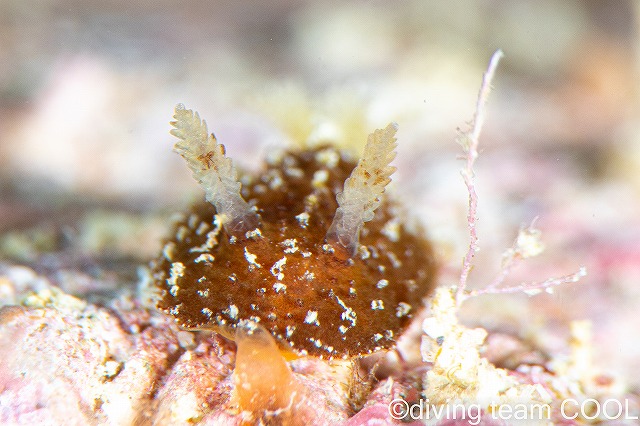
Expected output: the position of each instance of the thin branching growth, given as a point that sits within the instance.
(459, 372)
(470, 141)
(527, 244)
(213, 171)
(363, 189)
(535, 287)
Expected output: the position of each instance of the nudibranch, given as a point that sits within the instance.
(308, 249)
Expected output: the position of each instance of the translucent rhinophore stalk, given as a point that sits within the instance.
(363, 189)
(213, 171)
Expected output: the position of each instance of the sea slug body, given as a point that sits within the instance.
(304, 248)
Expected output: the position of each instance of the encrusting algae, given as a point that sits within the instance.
(308, 249)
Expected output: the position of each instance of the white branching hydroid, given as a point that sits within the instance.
(363, 189)
(213, 170)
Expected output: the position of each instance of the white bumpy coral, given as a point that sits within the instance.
(213, 170)
(363, 189)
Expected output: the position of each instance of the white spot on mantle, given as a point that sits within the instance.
(377, 305)
(278, 287)
(348, 314)
(291, 245)
(402, 309)
(233, 311)
(382, 283)
(312, 318)
(276, 269)
(303, 219)
(290, 330)
(251, 258)
(205, 257)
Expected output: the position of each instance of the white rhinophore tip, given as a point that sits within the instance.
(363, 189)
(213, 171)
